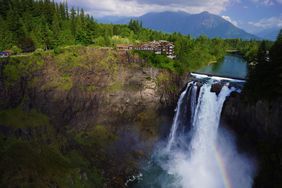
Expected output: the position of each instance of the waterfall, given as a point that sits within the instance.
(181, 115)
(177, 116)
(205, 156)
(201, 168)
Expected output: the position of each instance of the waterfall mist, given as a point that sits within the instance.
(199, 153)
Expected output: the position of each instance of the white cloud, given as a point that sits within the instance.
(266, 23)
(267, 2)
(140, 7)
(227, 18)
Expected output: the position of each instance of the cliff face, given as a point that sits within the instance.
(263, 117)
(97, 103)
(258, 128)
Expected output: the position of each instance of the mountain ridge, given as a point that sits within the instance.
(195, 25)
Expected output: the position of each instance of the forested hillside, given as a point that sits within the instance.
(32, 24)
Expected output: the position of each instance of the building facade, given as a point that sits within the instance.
(158, 47)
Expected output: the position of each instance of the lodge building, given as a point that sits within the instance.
(158, 47)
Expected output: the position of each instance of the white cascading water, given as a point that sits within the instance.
(205, 156)
(212, 160)
(177, 119)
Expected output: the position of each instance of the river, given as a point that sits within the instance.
(231, 66)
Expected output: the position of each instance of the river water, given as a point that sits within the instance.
(230, 66)
(198, 153)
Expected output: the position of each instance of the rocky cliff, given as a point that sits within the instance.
(258, 128)
(91, 108)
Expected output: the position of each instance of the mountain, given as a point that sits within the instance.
(194, 24)
(115, 19)
(269, 34)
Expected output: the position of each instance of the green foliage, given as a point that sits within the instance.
(100, 41)
(16, 50)
(43, 24)
(98, 137)
(57, 50)
(163, 79)
(37, 165)
(39, 52)
(65, 83)
(114, 87)
(21, 67)
(27, 45)
(135, 26)
(265, 75)
(90, 88)
(21, 119)
(120, 40)
(12, 73)
(61, 82)
(159, 61)
(248, 49)
(30, 164)
(28, 161)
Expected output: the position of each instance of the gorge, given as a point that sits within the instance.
(198, 152)
(219, 138)
(82, 114)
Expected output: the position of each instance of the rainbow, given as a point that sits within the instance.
(221, 165)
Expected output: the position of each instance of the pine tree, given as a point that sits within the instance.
(135, 26)
(56, 25)
(6, 41)
(73, 21)
(276, 63)
(258, 72)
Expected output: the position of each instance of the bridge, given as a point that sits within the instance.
(216, 77)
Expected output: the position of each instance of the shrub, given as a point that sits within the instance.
(58, 50)
(39, 51)
(22, 119)
(16, 50)
(27, 45)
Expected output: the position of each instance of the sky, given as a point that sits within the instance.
(250, 15)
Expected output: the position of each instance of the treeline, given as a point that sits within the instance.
(194, 53)
(248, 49)
(30, 24)
(265, 72)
